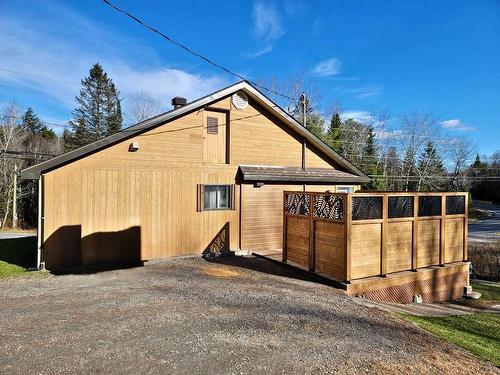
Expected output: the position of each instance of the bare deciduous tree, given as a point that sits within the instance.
(461, 151)
(417, 128)
(11, 137)
(140, 106)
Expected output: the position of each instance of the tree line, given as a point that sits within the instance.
(412, 156)
(408, 153)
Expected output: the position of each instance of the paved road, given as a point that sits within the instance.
(486, 230)
(9, 235)
(188, 316)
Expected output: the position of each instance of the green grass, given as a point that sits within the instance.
(478, 333)
(490, 291)
(17, 255)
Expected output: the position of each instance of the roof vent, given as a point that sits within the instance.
(179, 101)
(240, 100)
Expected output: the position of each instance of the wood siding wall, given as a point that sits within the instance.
(98, 206)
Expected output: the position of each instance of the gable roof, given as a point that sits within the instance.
(34, 172)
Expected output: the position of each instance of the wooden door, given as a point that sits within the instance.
(214, 137)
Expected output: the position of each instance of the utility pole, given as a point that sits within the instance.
(14, 199)
(303, 99)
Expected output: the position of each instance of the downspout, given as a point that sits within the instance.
(40, 264)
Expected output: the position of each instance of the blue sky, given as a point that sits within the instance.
(397, 56)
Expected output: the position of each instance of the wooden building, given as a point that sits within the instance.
(207, 175)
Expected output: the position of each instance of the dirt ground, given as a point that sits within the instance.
(190, 316)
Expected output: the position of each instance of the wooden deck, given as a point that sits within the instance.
(434, 283)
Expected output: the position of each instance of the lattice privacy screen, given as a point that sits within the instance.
(401, 206)
(328, 207)
(366, 208)
(429, 206)
(455, 204)
(297, 204)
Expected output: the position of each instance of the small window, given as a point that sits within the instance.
(212, 125)
(217, 197)
(345, 189)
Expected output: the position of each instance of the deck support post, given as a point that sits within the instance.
(414, 249)
(466, 228)
(442, 232)
(285, 220)
(383, 245)
(347, 236)
(311, 233)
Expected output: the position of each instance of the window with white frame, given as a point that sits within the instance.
(345, 189)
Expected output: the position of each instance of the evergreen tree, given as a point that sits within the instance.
(314, 122)
(35, 126)
(370, 161)
(333, 136)
(32, 123)
(99, 110)
(477, 162)
(432, 174)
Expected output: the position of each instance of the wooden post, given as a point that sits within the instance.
(311, 232)
(466, 228)
(414, 252)
(14, 200)
(383, 245)
(347, 236)
(442, 232)
(285, 220)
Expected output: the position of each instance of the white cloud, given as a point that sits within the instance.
(367, 91)
(267, 25)
(65, 50)
(261, 51)
(267, 28)
(456, 124)
(361, 116)
(453, 123)
(329, 67)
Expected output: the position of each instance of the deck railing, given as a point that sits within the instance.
(353, 236)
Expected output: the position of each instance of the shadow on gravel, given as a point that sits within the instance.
(270, 267)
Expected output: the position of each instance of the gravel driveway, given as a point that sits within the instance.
(191, 316)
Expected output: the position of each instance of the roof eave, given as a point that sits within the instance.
(304, 179)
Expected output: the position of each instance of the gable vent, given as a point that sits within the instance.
(240, 100)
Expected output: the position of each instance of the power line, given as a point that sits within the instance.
(45, 122)
(192, 52)
(39, 77)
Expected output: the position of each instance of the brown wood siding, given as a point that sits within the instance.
(153, 209)
(96, 205)
(314, 159)
(262, 217)
(259, 138)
